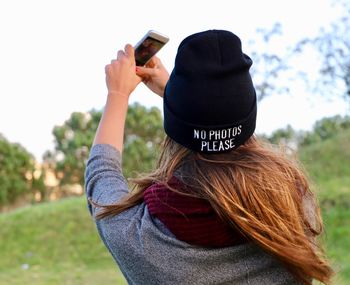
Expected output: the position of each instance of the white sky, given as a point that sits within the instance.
(53, 54)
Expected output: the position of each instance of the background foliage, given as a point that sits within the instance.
(16, 171)
(142, 138)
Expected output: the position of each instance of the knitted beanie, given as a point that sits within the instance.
(209, 100)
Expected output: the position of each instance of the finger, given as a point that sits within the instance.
(113, 60)
(159, 62)
(120, 55)
(107, 67)
(152, 62)
(145, 72)
(129, 51)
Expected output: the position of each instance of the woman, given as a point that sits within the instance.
(221, 207)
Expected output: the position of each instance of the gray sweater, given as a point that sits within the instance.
(148, 253)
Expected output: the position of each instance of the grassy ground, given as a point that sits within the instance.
(337, 236)
(54, 243)
(328, 164)
(57, 243)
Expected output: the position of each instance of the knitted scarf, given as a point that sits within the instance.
(190, 219)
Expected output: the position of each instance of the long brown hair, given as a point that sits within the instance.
(258, 190)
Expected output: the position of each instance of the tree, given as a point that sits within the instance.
(16, 171)
(72, 143)
(73, 140)
(333, 47)
(323, 129)
(326, 128)
(287, 136)
(143, 136)
(269, 63)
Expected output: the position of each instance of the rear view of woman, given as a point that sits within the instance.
(221, 207)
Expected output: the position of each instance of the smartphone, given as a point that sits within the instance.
(148, 46)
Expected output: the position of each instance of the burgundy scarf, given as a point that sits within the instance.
(190, 219)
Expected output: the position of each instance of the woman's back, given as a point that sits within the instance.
(148, 253)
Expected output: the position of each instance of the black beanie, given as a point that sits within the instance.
(210, 100)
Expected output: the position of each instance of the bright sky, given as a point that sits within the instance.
(53, 54)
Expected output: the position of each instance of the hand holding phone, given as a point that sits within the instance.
(120, 73)
(154, 75)
(148, 46)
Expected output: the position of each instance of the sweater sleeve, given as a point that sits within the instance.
(104, 180)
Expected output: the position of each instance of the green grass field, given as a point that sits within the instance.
(57, 243)
(328, 164)
(54, 243)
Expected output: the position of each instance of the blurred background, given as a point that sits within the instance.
(52, 91)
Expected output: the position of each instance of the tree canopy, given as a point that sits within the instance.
(142, 137)
(16, 171)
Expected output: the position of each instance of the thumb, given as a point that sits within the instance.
(145, 72)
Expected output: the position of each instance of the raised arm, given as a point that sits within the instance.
(121, 80)
(122, 77)
(104, 180)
